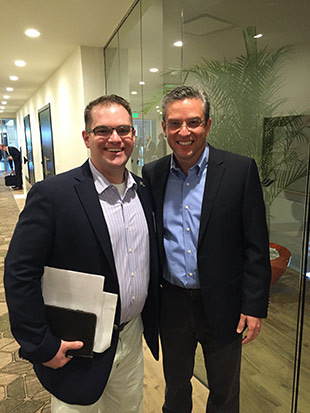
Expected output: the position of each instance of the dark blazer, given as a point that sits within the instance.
(233, 250)
(62, 226)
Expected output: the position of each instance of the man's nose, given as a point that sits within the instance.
(115, 136)
(184, 129)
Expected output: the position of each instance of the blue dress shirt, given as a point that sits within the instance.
(182, 210)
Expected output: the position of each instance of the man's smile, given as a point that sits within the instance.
(185, 143)
(114, 149)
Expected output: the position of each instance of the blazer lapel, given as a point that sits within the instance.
(88, 196)
(213, 180)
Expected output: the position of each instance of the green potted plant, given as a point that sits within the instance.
(245, 108)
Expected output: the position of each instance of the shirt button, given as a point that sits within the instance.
(187, 184)
(132, 274)
(189, 251)
(133, 298)
(130, 250)
(190, 274)
(187, 229)
(127, 227)
(186, 206)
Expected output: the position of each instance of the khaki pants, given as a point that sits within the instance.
(124, 390)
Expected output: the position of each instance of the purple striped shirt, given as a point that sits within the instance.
(129, 236)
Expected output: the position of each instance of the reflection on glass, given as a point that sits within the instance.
(259, 92)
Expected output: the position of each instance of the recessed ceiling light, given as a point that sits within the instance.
(9, 89)
(20, 63)
(141, 82)
(2, 107)
(1, 111)
(13, 78)
(4, 102)
(32, 33)
(133, 92)
(178, 43)
(6, 96)
(257, 36)
(153, 69)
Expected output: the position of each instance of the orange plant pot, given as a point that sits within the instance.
(279, 265)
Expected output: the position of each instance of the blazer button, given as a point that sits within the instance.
(115, 327)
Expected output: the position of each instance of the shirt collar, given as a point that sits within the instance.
(199, 166)
(102, 183)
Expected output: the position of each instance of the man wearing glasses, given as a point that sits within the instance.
(213, 244)
(95, 219)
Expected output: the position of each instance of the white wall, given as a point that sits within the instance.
(68, 90)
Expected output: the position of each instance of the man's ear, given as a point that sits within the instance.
(164, 127)
(85, 138)
(208, 126)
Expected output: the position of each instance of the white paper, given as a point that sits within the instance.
(82, 291)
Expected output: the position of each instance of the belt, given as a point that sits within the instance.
(192, 292)
(122, 326)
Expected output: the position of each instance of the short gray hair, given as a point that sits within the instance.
(186, 92)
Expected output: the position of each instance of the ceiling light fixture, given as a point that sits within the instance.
(178, 43)
(153, 69)
(133, 92)
(4, 102)
(1, 111)
(2, 107)
(258, 36)
(6, 96)
(14, 78)
(141, 82)
(9, 89)
(32, 33)
(20, 63)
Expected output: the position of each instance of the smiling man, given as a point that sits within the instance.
(213, 247)
(95, 219)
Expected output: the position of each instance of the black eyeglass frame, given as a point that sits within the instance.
(110, 130)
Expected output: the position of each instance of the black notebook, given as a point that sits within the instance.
(72, 325)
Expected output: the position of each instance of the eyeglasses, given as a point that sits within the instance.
(123, 131)
(176, 125)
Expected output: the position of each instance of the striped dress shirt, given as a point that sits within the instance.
(129, 237)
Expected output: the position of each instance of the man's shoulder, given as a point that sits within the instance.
(64, 178)
(157, 164)
(227, 156)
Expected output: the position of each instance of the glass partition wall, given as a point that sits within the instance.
(253, 59)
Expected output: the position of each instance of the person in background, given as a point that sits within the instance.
(14, 155)
(213, 244)
(95, 219)
(150, 149)
(161, 148)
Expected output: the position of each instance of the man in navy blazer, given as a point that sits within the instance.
(213, 245)
(96, 219)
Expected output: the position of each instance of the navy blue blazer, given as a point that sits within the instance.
(233, 248)
(62, 226)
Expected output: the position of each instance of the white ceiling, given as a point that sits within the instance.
(64, 24)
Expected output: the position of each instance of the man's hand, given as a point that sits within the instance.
(60, 359)
(253, 325)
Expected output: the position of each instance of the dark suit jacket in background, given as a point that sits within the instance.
(233, 250)
(63, 226)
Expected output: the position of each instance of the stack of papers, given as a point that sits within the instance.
(83, 292)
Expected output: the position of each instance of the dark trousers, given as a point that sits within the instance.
(18, 172)
(183, 325)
